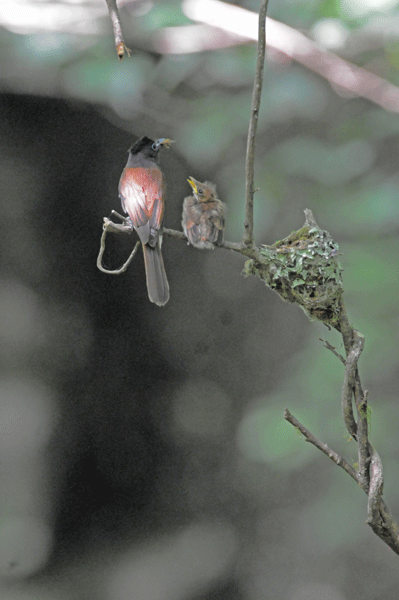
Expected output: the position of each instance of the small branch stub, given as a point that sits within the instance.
(120, 45)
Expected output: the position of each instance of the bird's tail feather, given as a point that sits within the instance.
(157, 283)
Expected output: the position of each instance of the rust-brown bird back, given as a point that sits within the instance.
(142, 193)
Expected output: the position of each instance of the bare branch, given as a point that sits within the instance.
(117, 29)
(363, 446)
(359, 430)
(253, 123)
(115, 228)
(176, 234)
(379, 518)
(375, 490)
(309, 437)
(333, 350)
(237, 247)
(345, 328)
(349, 382)
(127, 227)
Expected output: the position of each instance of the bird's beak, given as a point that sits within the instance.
(193, 184)
(164, 143)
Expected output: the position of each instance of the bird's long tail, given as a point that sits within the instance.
(157, 283)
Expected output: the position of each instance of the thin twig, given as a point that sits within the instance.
(125, 227)
(379, 518)
(237, 247)
(176, 234)
(114, 228)
(253, 123)
(309, 437)
(333, 350)
(117, 29)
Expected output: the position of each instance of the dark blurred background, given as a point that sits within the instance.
(143, 450)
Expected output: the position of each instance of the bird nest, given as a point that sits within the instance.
(304, 268)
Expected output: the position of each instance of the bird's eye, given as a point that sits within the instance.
(200, 191)
(154, 146)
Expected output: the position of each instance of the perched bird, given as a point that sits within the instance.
(142, 191)
(203, 216)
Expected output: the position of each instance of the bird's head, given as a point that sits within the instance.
(203, 192)
(148, 147)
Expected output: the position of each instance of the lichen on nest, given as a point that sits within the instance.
(304, 269)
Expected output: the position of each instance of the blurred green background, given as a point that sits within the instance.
(143, 450)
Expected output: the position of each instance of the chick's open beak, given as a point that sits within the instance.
(193, 184)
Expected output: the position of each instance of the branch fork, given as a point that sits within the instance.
(369, 474)
(124, 227)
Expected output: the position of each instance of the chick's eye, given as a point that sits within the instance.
(154, 146)
(200, 191)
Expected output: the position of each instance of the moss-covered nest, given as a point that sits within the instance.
(304, 268)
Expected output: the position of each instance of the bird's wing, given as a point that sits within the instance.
(193, 232)
(191, 219)
(142, 193)
(213, 224)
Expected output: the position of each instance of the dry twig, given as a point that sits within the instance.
(309, 437)
(253, 124)
(110, 226)
(120, 45)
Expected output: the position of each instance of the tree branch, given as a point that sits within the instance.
(363, 445)
(369, 474)
(115, 228)
(309, 437)
(349, 383)
(379, 518)
(253, 123)
(117, 29)
(237, 247)
(333, 350)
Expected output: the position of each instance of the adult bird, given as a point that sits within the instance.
(203, 216)
(142, 191)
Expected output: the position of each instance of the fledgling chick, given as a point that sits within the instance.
(203, 216)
